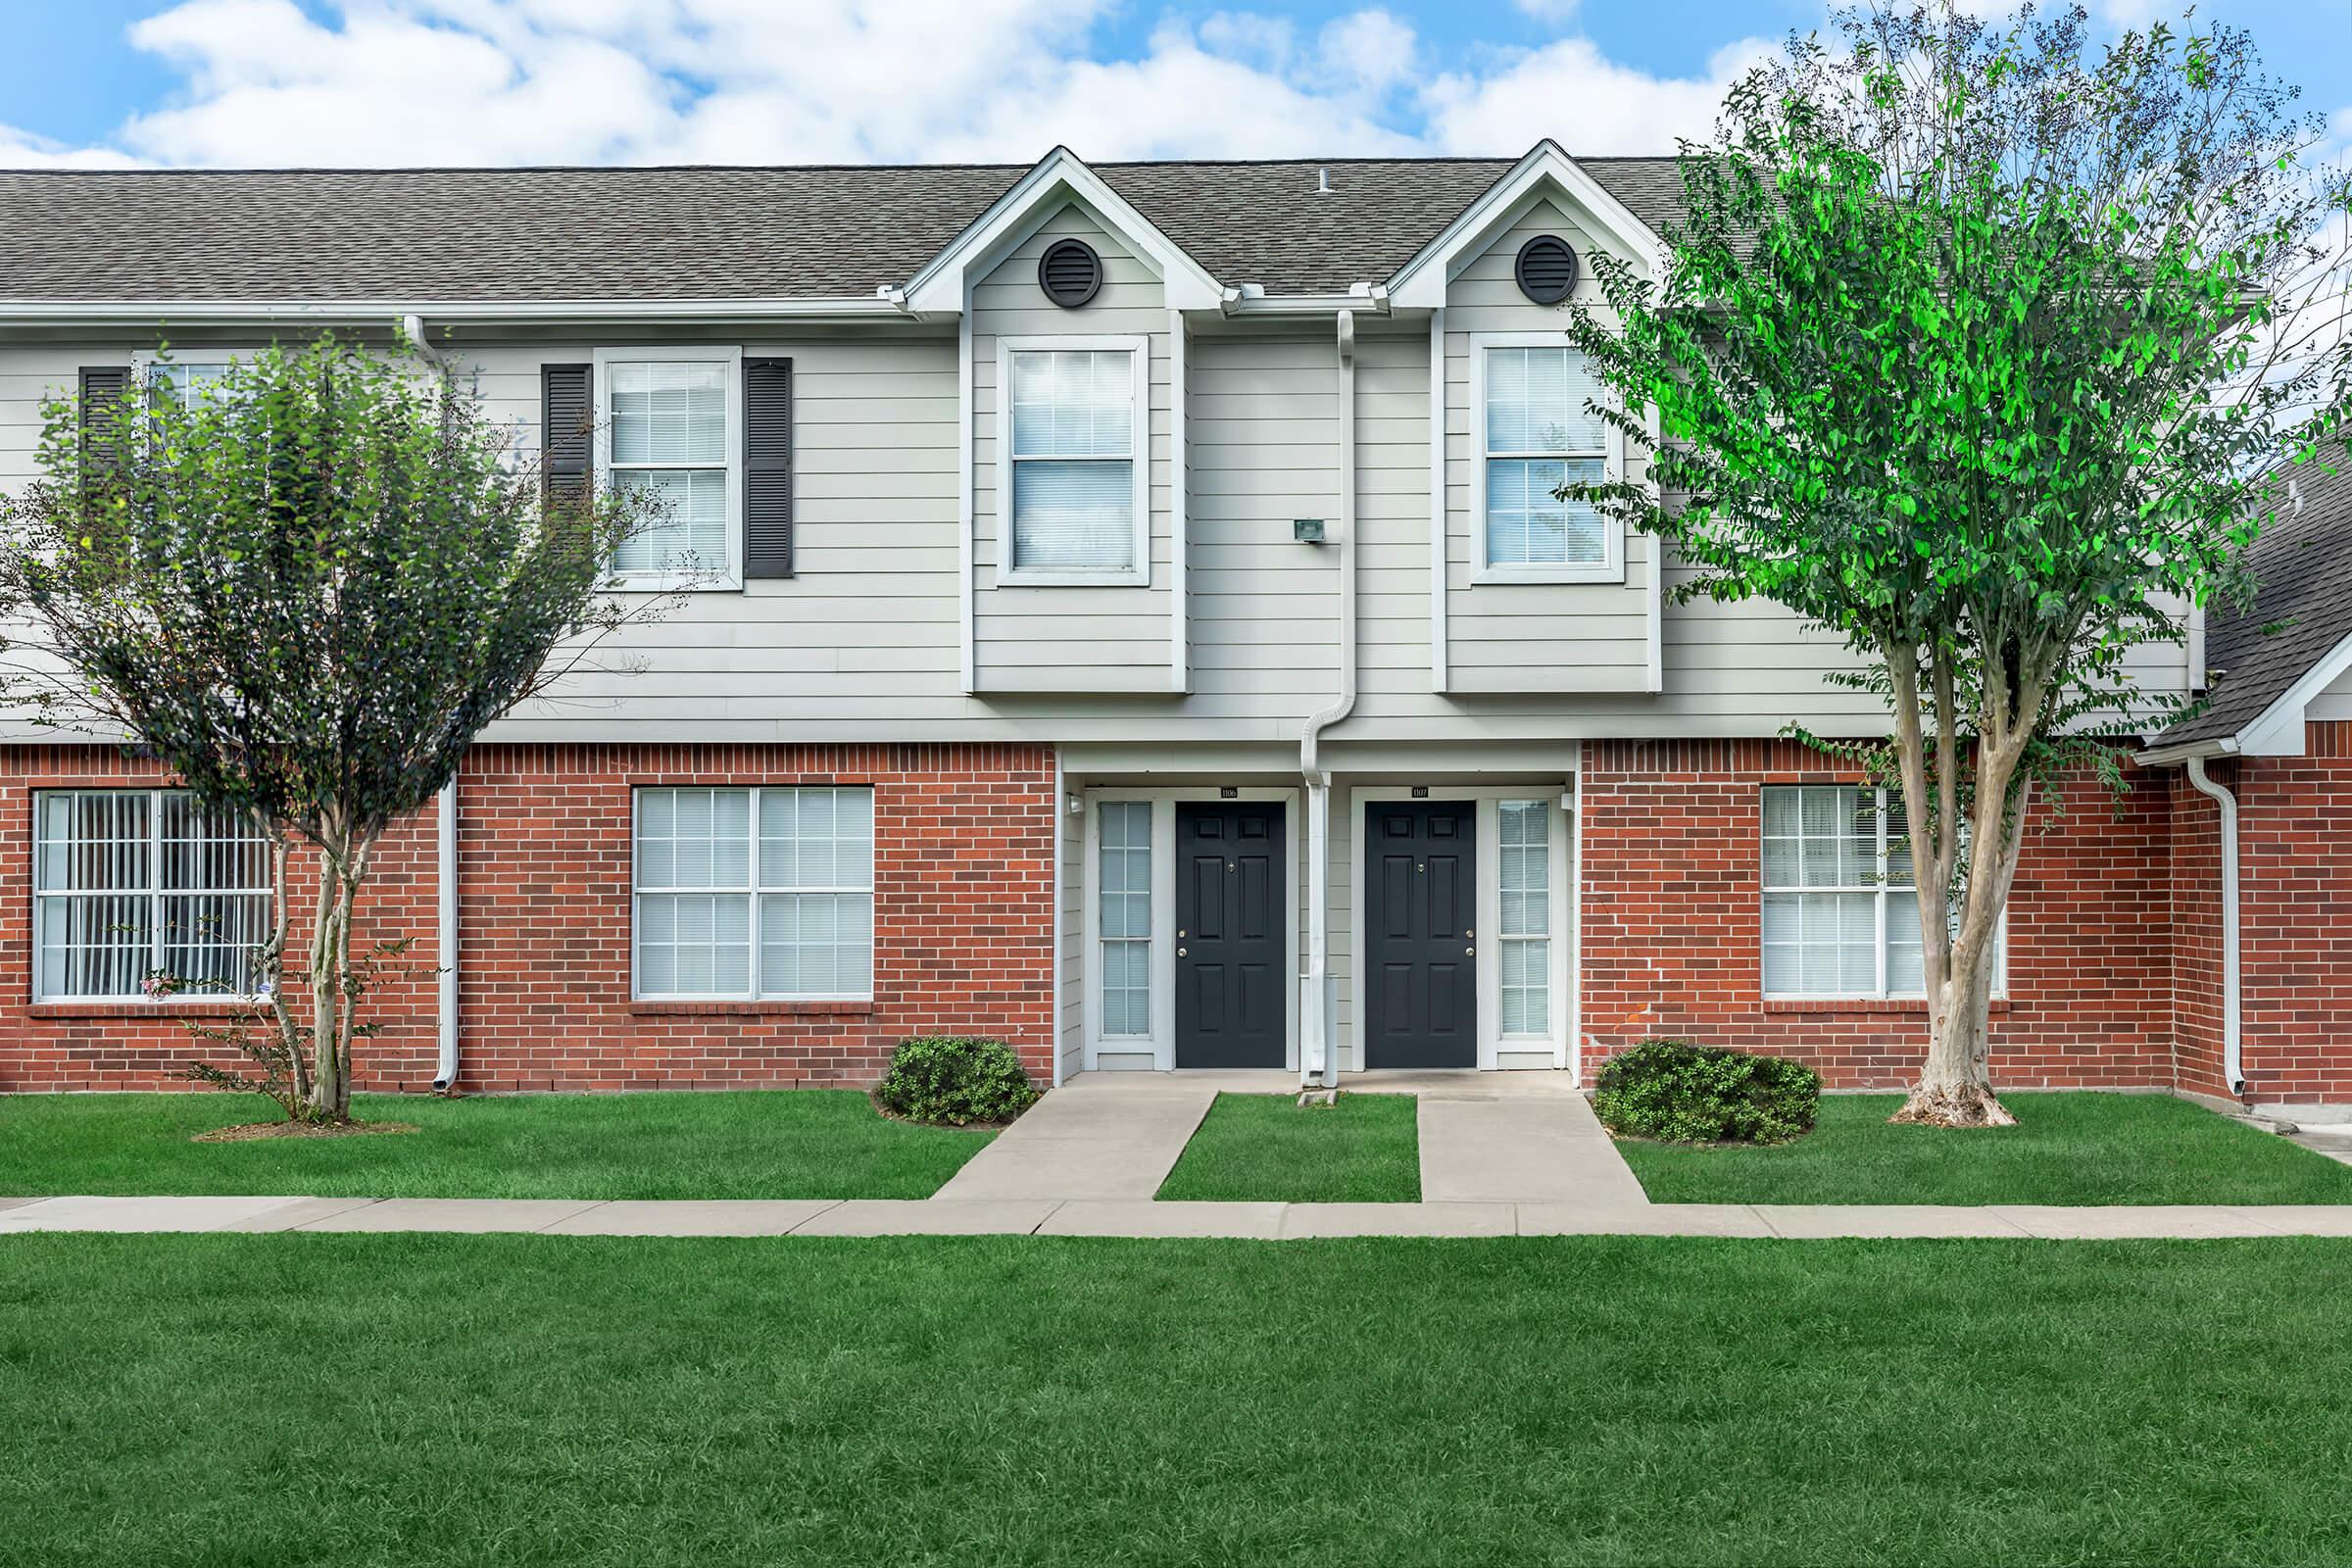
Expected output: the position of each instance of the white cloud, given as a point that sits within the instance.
(1588, 102)
(22, 149)
(514, 81)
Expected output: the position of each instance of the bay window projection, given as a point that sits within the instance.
(1540, 436)
(755, 894)
(1073, 461)
(1124, 915)
(1524, 831)
(1839, 913)
(144, 893)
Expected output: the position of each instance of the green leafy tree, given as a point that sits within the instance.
(1984, 348)
(305, 590)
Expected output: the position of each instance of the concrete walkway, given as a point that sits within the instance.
(1140, 1217)
(1501, 1154)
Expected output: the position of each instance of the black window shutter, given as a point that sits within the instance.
(567, 416)
(767, 468)
(103, 387)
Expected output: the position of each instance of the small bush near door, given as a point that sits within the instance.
(1681, 1093)
(955, 1080)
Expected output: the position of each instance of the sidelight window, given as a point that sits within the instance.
(1524, 828)
(1124, 915)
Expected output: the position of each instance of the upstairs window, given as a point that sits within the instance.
(670, 432)
(140, 892)
(1538, 435)
(1071, 485)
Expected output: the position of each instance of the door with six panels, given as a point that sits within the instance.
(1420, 963)
(1231, 970)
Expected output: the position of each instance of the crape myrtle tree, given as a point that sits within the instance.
(1984, 348)
(303, 589)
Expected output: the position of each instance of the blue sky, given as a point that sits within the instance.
(229, 82)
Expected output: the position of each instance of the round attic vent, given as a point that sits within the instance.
(1070, 273)
(1547, 269)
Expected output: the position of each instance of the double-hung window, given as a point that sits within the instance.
(752, 894)
(139, 893)
(670, 436)
(1537, 435)
(1072, 432)
(1524, 828)
(183, 381)
(1124, 915)
(1841, 914)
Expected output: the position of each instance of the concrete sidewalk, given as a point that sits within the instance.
(1142, 1217)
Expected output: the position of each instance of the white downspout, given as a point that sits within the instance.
(445, 868)
(1318, 1047)
(445, 1076)
(2232, 1041)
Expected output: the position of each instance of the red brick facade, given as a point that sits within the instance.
(2115, 929)
(2295, 882)
(962, 926)
(1672, 890)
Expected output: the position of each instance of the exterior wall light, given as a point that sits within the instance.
(1308, 530)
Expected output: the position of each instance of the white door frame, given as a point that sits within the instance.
(1486, 797)
(1160, 1043)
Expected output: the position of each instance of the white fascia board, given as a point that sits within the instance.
(2277, 730)
(1059, 176)
(69, 313)
(1420, 283)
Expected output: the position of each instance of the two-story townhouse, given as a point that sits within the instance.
(1126, 612)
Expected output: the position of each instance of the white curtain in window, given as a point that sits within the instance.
(1124, 915)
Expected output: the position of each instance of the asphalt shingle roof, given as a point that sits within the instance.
(794, 233)
(2303, 608)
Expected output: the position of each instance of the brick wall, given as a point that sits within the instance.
(137, 1044)
(1672, 890)
(963, 923)
(2295, 874)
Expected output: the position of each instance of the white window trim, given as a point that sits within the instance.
(1887, 893)
(1492, 1044)
(1611, 568)
(1137, 576)
(155, 894)
(730, 578)
(1160, 1045)
(755, 893)
(144, 361)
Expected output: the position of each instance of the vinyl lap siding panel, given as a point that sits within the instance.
(1111, 639)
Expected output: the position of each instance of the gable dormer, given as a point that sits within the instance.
(1538, 594)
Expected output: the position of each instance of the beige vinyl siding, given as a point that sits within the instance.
(1062, 638)
(1263, 426)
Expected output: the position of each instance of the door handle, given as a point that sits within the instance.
(1180, 952)
(1471, 951)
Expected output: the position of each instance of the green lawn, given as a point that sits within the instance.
(2066, 1148)
(1269, 1148)
(537, 1399)
(772, 1144)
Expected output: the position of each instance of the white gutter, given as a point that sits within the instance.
(72, 311)
(1251, 299)
(444, 825)
(2233, 1044)
(1318, 1047)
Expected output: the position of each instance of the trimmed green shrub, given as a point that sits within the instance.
(955, 1080)
(1681, 1093)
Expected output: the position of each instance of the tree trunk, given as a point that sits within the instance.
(1956, 1082)
(330, 947)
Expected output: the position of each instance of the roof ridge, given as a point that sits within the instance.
(1446, 159)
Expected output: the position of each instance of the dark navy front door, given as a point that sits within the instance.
(1420, 947)
(1230, 967)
